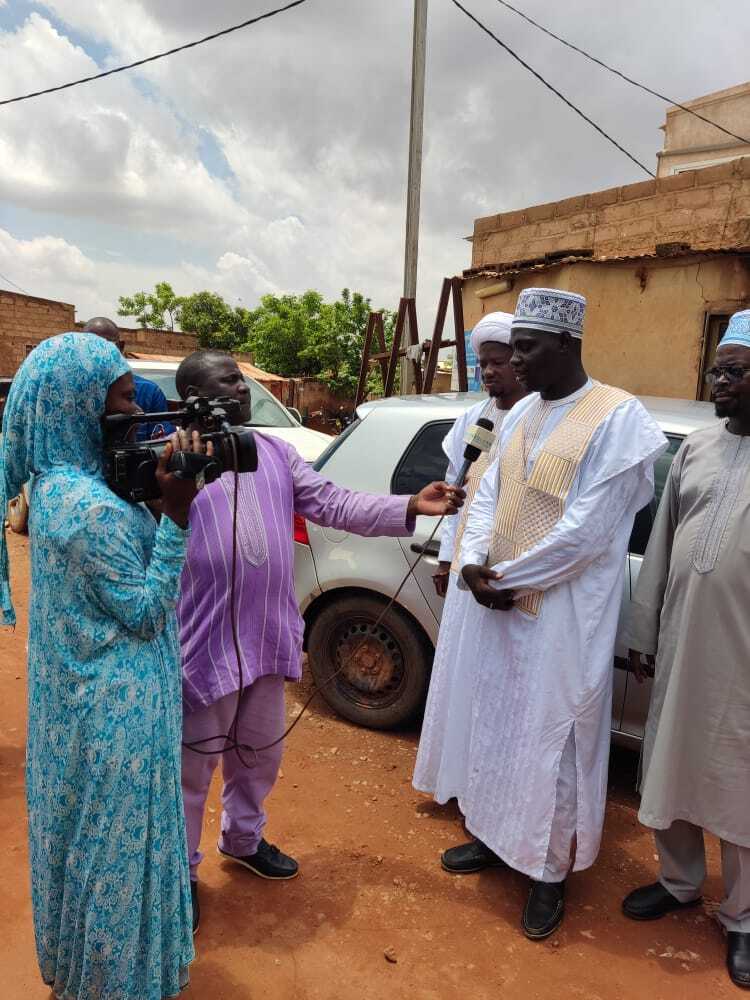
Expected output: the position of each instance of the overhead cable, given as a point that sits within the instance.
(554, 90)
(6, 278)
(617, 72)
(159, 55)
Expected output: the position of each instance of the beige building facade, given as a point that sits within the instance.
(690, 143)
(662, 264)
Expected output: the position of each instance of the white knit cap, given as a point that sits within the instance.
(550, 310)
(495, 327)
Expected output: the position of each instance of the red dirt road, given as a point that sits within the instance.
(368, 847)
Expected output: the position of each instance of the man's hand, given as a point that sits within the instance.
(440, 578)
(436, 500)
(640, 669)
(177, 493)
(477, 579)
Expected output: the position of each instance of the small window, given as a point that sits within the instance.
(423, 461)
(644, 519)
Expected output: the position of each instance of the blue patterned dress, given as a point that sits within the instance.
(110, 890)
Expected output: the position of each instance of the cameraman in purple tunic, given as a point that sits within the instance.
(269, 623)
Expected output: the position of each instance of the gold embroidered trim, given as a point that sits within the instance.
(528, 508)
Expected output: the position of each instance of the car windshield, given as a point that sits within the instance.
(266, 409)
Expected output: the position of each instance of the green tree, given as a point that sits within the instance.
(338, 345)
(213, 321)
(289, 335)
(151, 308)
(281, 330)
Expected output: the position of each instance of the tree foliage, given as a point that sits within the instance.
(290, 335)
(281, 330)
(303, 335)
(213, 321)
(152, 310)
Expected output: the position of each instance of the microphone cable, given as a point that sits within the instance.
(231, 738)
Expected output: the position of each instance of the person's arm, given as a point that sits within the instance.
(108, 559)
(614, 480)
(140, 597)
(642, 624)
(584, 533)
(452, 448)
(370, 514)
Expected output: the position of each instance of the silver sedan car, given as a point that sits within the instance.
(344, 581)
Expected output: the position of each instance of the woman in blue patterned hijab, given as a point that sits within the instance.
(110, 889)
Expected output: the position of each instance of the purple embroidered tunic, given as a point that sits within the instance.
(269, 623)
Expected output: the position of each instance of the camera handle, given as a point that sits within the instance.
(190, 465)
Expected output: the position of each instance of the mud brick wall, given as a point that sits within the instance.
(26, 320)
(706, 209)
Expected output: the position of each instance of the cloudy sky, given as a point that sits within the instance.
(274, 160)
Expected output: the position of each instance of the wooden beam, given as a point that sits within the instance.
(437, 337)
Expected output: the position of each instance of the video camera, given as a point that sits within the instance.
(130, 469)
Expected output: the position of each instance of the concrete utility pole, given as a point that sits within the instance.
(414, 184)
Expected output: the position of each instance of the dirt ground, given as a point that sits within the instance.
(370, 882)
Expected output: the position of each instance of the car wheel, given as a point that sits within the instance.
(381, 671)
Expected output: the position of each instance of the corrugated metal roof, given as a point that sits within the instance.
(545, 263)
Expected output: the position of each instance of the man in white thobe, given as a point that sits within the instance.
(544, 548)
(690, 613)
(444, 743)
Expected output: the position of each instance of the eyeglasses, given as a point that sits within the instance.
(732, 373)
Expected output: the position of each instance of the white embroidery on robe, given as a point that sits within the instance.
(725, 490)
(251, 532)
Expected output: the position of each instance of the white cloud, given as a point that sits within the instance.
(310, 112)
(101, 150)
(47, 262)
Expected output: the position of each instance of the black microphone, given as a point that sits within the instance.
(479, 438)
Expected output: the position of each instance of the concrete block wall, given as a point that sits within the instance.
(157, 341)
(25, 321)
(707, 209)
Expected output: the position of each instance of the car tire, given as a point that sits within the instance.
(388, 683)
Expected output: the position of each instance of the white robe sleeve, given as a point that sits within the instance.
(644, 614)
(584, 533)
(453, 448)
(616, 479)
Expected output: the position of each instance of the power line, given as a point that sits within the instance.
(5, 278)
(617, 72)
(554, 90)
(159, 55)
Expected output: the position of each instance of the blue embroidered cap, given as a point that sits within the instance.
(550, 310)
(738, 331)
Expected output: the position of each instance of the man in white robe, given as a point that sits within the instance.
(545, 547)
(444, 744)
(690, 613)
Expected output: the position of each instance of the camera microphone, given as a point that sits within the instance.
(479, 437)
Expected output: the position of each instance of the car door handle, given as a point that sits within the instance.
(428, 549)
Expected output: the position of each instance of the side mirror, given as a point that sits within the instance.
(295, 413)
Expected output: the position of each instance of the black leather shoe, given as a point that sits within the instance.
(653, 901)
(738, 958)
(196, 906)
(268, 862)
(544, 909)
(468, 858)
